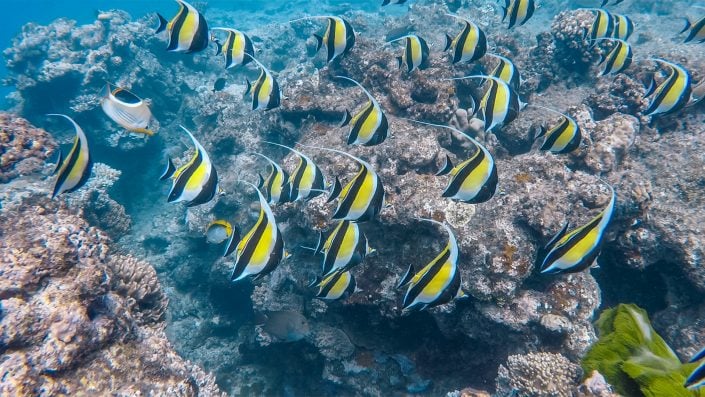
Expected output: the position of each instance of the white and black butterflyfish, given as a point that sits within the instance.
(307, 181)
(75, 169)
(438, 282)
(127, 109)
(673, 93)
(219, 231)
(234, 48)
(576, 250)
(563, 137)
(469, 45)
(276, 185)
(506, 71)
(369, 126)
(361, 199)
(188, 30)
(472, 181)
(618, 59)
(500, 104)
(344, 248)
(261, 250)
(195, 182)
(696, 30)
(602, 26)
(518, 11)
(338, 38)
(265, 91)
(623, 27)
(337, 285)
(416, 53)
(696, 379)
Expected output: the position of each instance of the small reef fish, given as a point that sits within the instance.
(602, 26)
(469, 45)
(345, 248)
(438, 282)
(518, 11)
(578, 249)
(262, 249)
(362, 199)
(697, 94)
(618, 59)
(696, 31)
(500, 105)
(127, 109)
(562, 138)
(474, 180)
(265, 91)
(337, 285)
(219, 84)
(188, 30)
(75, 169)
(415, 55)
(506, 71)
(338, 38)
(307, 181)
(387, 2)
(285, 325)
(370, 125)
(276, 185)
(236, 45)
(696, 379)
(195, 182)
(218, 231)
(673, 93)
(623, 27)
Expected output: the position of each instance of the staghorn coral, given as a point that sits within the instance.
(537, 375)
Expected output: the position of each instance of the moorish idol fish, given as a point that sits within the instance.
(276, 186)
(474, 180)
(195, 182)
(76, 168)
(370, 125)
(362, 199)
(697, 30)
(673, 93)
(618, 59)
(469, 45)
(438, 282)
(126, 109)
(337, 285)
(262, 249)
(563, 137)
(415, 55)
(518, 11)
(265, 91)
(218, 231)
(345, 247)
(576, 250)
(338, 38)
(623, 27)
(506, 71)
(307, 181)
(500, 105)
(236, 45)
(602, 26)
(696, 379)
(188, 30)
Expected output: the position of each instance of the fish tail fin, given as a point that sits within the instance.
(335, 191)
(319, 41)
(314, 282)
(346, 119)
(162, 23)
(541, 132)
(446, 168)
(232, 242)
(260, 182)
(248, 86)
(407, 277)
(168, 170)
(59, 161)
(687, 25)
(400, 62)
(504, 13)
(319, 245)
(449, 42)
(218, 47)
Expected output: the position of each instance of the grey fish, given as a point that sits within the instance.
(286, 325)
(219, 84)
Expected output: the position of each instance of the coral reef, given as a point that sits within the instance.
(23, 148)
(538, 375)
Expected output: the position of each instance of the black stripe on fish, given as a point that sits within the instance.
(168, 170)
(184, 177)
(349, 37)
(176, 28)
(460, 43)
(230, 43)
(406, 278)
(696, 378)
(208, 190)
(330, 44)
(200, 39)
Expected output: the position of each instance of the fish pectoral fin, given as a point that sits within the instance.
(400, 62)
(446, 167)
(407, 277)
(162, 23)
(335, 191)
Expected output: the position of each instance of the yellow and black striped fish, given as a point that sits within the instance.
(345, 247)
(195, 182)
(265, 92)
(416, 53)
(578, 249)
(696, 379)
(469, 45)
(127, 109)
(618, 59)
(307, 181)
(338, 38)
(563, 137)
(75, 170)
(500, 105)
(276, 185)
(370, 125)
(236, 45)
(673, 93)
(362, 198)
(262, 249)
(438, 282)
(337, 285)
(188, 30)
(518, 11)
(696, 30)
(602, 26)
(474, 180)
(506, 71)
(697, 94)
(623, 27)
